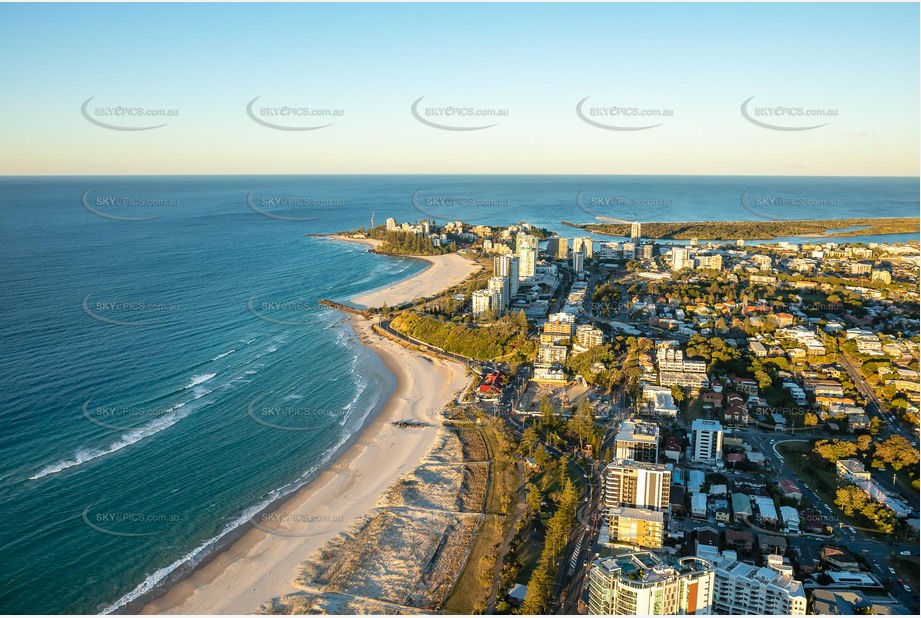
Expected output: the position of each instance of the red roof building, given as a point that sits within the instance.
(492, 384)
(790, 489)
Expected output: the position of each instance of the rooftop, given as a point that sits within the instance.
(631, 431)
(648, 567)
(703, 424)
(629, 463)
(640, 514)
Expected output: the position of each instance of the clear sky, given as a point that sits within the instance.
(698, 62)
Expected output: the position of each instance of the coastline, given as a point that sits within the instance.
(442, 272)
(251, 566)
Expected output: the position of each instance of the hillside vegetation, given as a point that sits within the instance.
(505, 336)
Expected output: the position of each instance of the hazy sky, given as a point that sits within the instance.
(693, 65)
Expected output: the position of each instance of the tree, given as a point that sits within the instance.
(875, 425)
(541, 457)
(833, 450)
(678, 394)
(521, 320)
(582, 423)
(534, 498)
(811, 419)
(864, 442)
(897, 452)
(851, 499)
(529, 439)
(537, 600)
(547, 416)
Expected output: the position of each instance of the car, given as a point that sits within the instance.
(907, 588)
(905, 553)
(891, 570)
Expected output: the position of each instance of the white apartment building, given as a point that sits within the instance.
(706, 441)
(501, 286)
(485, 301)
(644, 584)
(588, 336)
(637, 441)
(527, 263)
(708, 262)
(637, 484)
(507, 266)
(671, 360)
(578, 261)
(585, 245)
(744, 589)
(681, 259)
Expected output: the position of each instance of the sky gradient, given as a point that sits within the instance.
(697, 62)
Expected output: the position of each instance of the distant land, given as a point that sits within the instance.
(758, 230)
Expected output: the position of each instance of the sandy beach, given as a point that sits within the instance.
(260, 565)
(443, 272)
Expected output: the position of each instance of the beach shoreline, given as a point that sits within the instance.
(442, 272)
(250, 566)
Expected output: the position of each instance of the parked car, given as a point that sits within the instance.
(905, 553)
(907, 588)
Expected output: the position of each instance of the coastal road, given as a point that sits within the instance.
(385, 326)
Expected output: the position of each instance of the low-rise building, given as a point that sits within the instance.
(851, 470)
(767, 512)
(852, 603)
(673, 448)
(659, 402)
(790, 517)
(741, 506)
(839, 559)
(789, 489)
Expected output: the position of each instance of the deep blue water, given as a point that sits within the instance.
(146, 365)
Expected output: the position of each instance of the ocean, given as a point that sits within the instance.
(167, 370)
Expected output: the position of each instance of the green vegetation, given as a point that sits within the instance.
(504, 337)
(833, 450)
(581, 364)
(896, 452)
(720, 356)
(855, 502)
(540, 586)
(398, 242)
(605, 299)
(759, 230)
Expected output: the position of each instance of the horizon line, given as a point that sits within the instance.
(38, 175)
